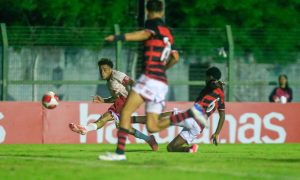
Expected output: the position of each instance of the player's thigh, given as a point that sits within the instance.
(190, 134)
(133, 102)
(178, 141)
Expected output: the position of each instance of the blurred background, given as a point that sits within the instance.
(55, 45)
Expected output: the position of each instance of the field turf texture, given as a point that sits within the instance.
(79, 161)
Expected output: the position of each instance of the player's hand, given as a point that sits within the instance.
(98, 99)
(110, 38)
(215, 138)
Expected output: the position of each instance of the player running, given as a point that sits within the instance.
(117, 83)
(152, 85)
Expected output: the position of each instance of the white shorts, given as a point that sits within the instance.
(153, 91)
(190, 130)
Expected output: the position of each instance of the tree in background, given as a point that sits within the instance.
(72, 13)
(260, 26)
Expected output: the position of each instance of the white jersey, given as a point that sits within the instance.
(117, 84)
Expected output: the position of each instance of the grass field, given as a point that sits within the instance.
(239, 161)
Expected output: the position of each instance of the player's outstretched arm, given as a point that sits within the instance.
(131, 36)
(215, 136)
(174, 59)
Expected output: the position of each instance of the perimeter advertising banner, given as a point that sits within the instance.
(29, 122)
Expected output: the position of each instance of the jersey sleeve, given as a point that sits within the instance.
(151, 26)
(122, 77)
(126, 80)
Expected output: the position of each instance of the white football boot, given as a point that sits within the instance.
(112, 157)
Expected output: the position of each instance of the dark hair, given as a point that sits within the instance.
(214, 72)
(287, 83)
(154, 6)
(105, 61)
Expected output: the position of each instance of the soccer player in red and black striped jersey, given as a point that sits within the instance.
(151, 88)
(211, 98)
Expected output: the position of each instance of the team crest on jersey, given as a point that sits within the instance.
(212, 105)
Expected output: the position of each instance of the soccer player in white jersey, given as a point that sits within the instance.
(117, 83)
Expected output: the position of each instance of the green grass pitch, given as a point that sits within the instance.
(226, 161)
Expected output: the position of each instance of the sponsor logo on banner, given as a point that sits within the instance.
(246, 128)
(244, 123)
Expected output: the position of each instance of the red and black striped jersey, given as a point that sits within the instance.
(211, 100)
(155, 47)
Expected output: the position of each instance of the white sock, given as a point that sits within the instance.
(91, 127)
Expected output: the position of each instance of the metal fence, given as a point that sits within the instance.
(64, 60)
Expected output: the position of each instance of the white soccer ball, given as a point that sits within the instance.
(50, 100)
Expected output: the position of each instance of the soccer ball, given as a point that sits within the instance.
(50, 100)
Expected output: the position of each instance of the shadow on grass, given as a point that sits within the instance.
(285, 160)
(279, 160)
(138, 150)
(33, 156)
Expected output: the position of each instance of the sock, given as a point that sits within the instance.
(140, 135)
(122, 136)
(177, 118)
(91, 127)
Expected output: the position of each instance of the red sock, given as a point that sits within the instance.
(122, 136)
(177, 118)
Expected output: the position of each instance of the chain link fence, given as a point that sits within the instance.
(64, 60)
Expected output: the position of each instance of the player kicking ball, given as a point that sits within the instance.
(118, 84)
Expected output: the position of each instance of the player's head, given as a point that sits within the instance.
(283, 81)
(105, 68)
(213, 75)
(154, 9)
